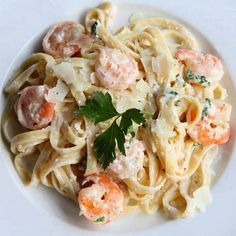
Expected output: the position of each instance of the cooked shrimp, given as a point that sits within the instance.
(103, 201)
(127, 166)
(116, 70)
(65, 39)
(32, 110)
(201, 64)
(213, 128)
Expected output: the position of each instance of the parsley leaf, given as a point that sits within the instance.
(100, 219)
(200, 79)
(127, 118)
(207, 106)
(100, 108)
(105, 144)
(94, 28)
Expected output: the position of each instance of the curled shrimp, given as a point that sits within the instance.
(65, 39)
(127, 166)
(103, 201)
(202, 64)
(116, 70)
(32, 109)
(213, 127)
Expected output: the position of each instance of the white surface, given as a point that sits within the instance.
(41, 211)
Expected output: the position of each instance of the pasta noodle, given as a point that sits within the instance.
(176, 173)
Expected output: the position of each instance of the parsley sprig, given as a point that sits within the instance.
(99, 109)
(200, 79)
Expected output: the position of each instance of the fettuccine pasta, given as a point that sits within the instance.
(154, 65)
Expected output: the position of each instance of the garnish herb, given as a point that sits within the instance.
(94, 28)
(190, 75)
(207, 106)
(200, 79)
(180, 80)
(173, 92)
(177, 103)
(100, 219)
(99, 109)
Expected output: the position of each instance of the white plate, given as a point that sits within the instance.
(41, 211)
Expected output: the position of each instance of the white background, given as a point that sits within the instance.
(19, 214)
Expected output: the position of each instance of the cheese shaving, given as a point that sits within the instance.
(58, 93)
(65, 71)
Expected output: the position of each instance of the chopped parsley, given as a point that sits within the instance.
(177, 103)
(100, 219)
(99, 109)
(94, 28)
(169, 93)
(172, 92)
(190, 75)
(180, 80)
(200, 79)
(203, 81)
(207, 106)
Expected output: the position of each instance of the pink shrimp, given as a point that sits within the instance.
(103, 201)
(116, 70)
(127, 166)
(65, 39)
(201, 64)
(32, 109)
(213, 128)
